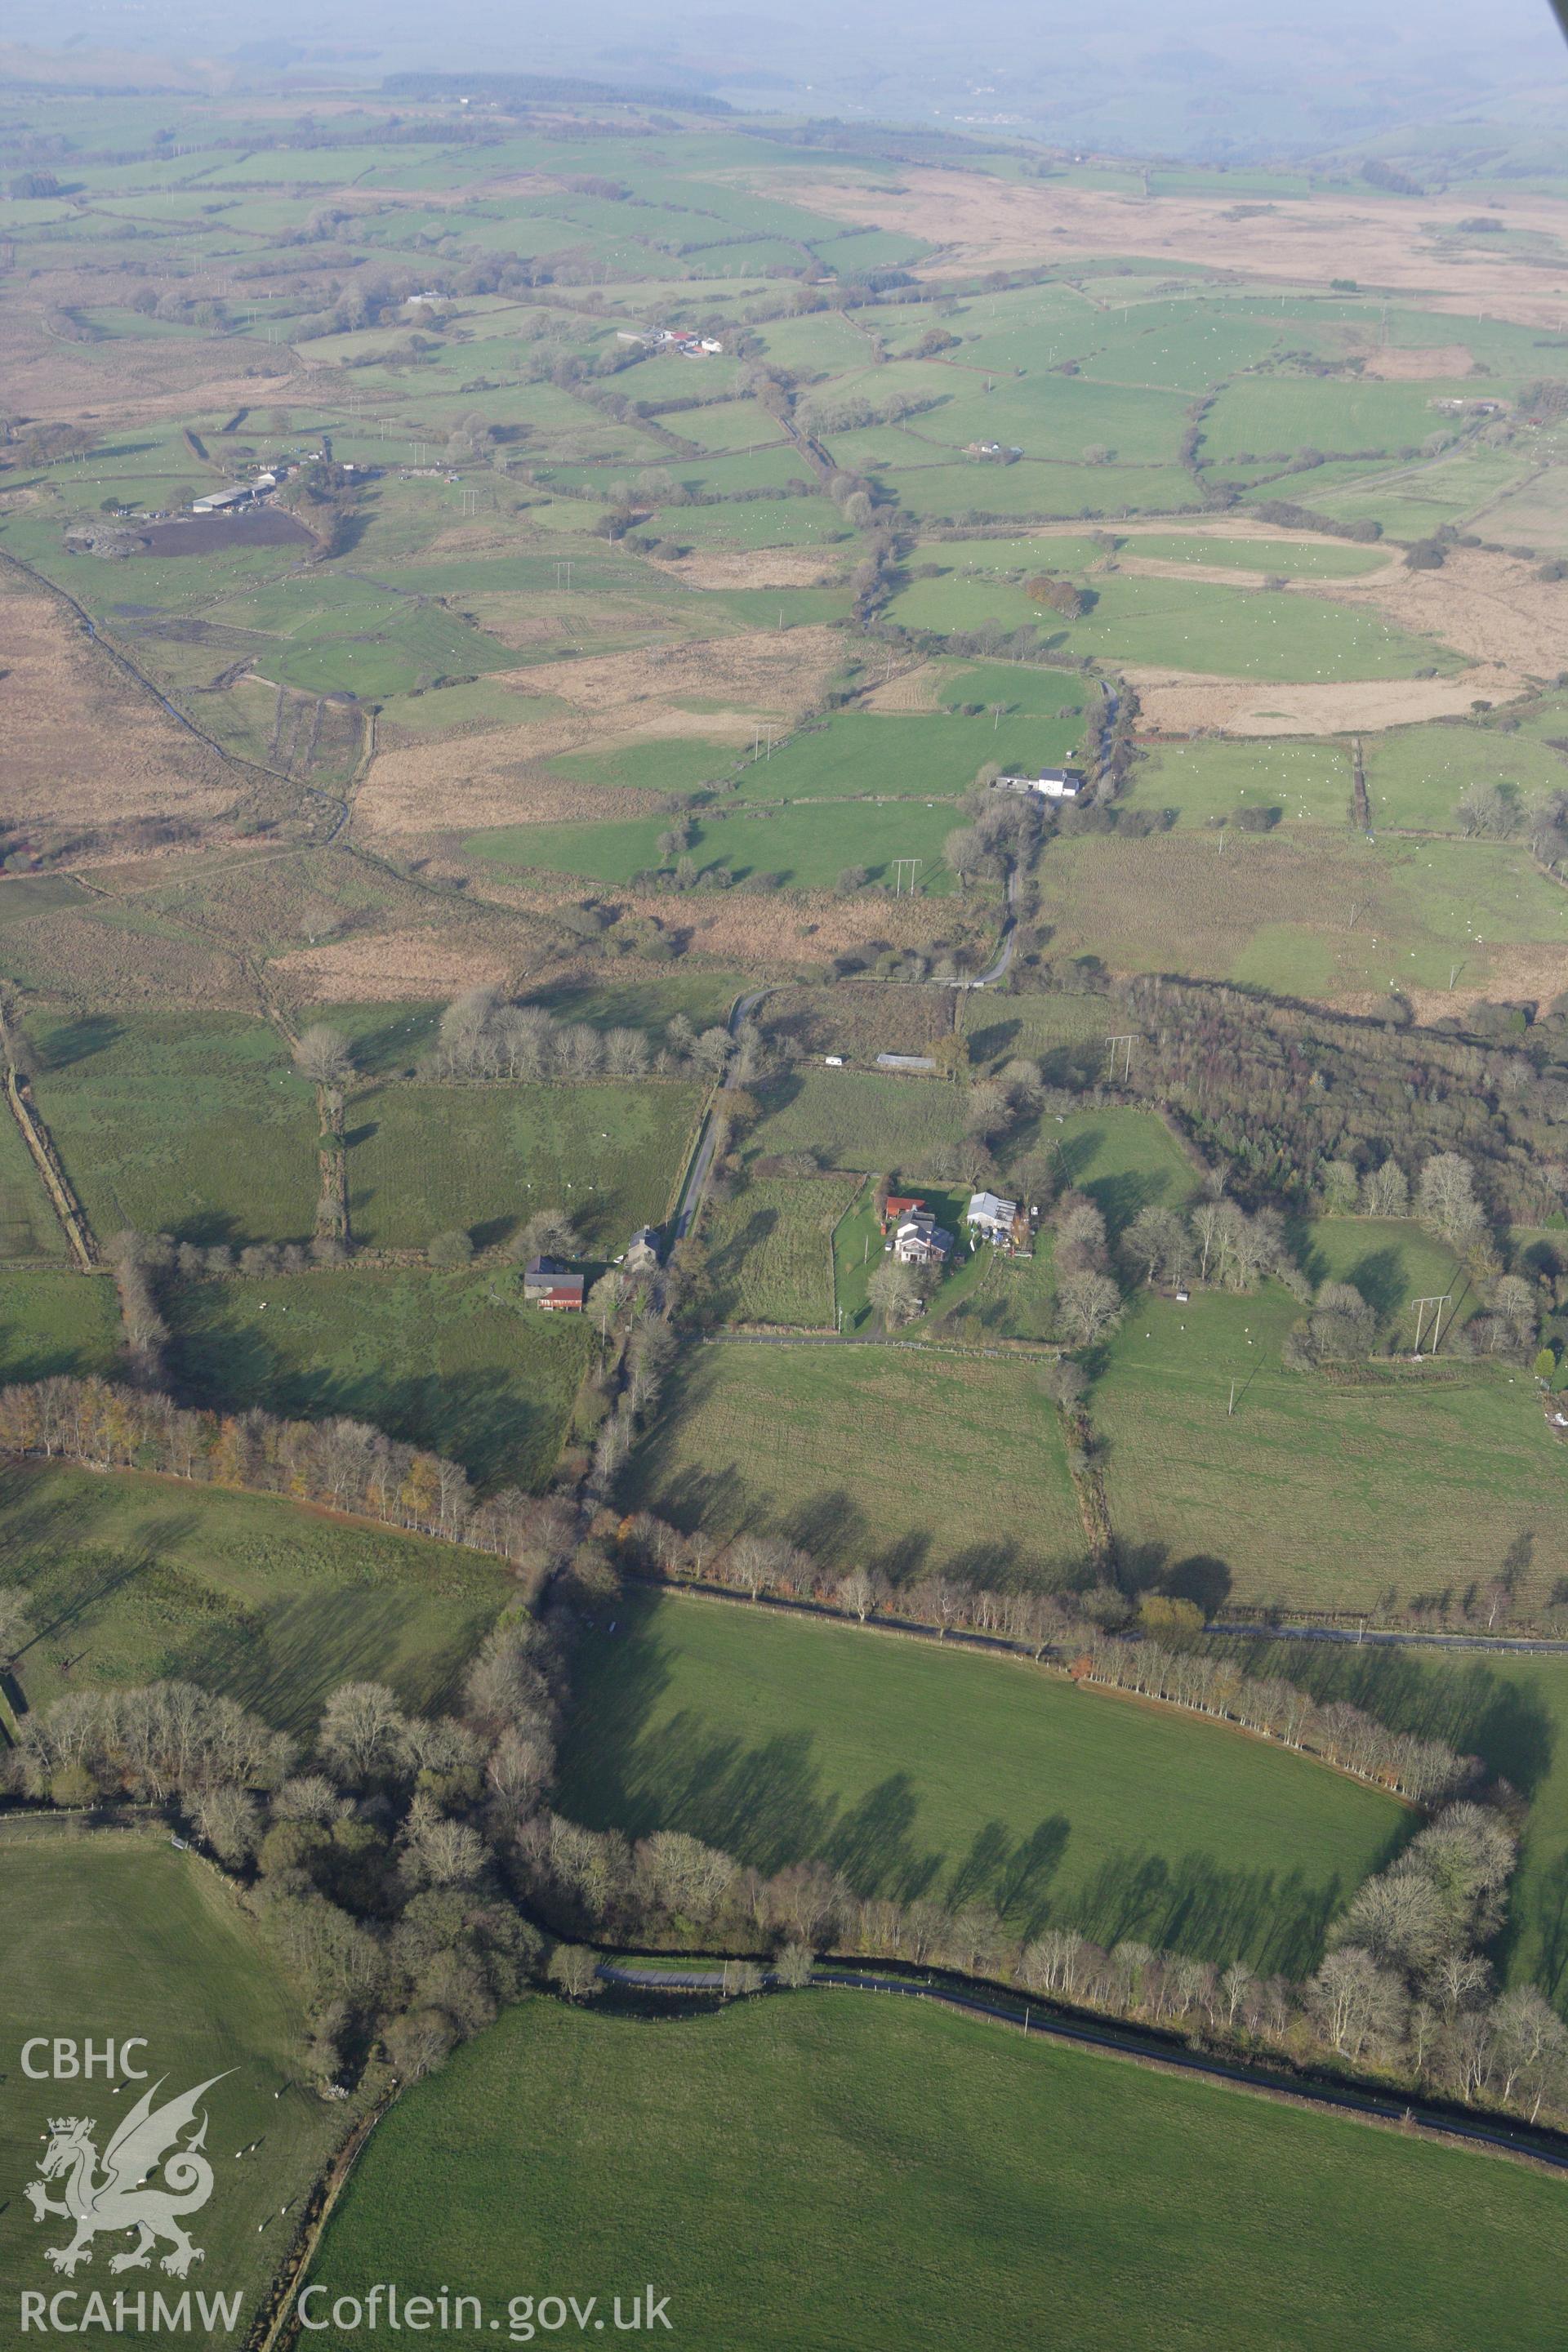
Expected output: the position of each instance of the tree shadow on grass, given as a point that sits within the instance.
(80, 1039)
(1119, 1194)
(769, 1803)
(82, 1585)
(1274, 1920)
(284, 1660)
(481, 1419)
(1201, 1577)
(1473, 1708)
(27, 1355)
(829, 1526)
(1551, 1924)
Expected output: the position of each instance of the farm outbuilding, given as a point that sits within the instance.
(549, 1284)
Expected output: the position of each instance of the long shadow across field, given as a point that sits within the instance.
(769, 1801)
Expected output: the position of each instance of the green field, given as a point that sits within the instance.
(830, 2169)
(768, 1252)
(133, 1578)
(53, 1323)
(189, 1125)
(1294, 559)
(116, 1936)
(1311, 1493)
(1392, 1263)
(1124, 1159)
(1056, 1030)
(906, 756)
(424, 1159)
(863, 1119)
(882, 1454)
(29, 1228)
(648, 1003)
(1305, 913)
(1279, 414)
(1308, 784)
(451, 1361)
(199, 1128)
(1416, 776)
(802, 845)
(1191, 624)
(927, 1773)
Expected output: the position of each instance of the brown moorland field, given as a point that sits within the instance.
(85, 745)
(1183, 702)
(427, 962)
(764, 567)
(762, 669)
(742, 924)
(464, 784)
(1493, 607)
(136, 384)
(1536, 513)
(980, 222)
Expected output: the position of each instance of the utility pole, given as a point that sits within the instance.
(914, 865)
(1125, 1045)
(1231, 1406)
(1437, 1306)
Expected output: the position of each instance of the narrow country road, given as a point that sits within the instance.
(1359, 1637)
(1541, 2147)
(702, 1158)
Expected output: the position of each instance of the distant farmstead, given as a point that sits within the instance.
(1051, 784)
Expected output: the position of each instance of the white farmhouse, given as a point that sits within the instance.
(1051, 784)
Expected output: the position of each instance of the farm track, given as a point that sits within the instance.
(1525, 2143)
(1043, 1349)
(1522, 1645)
(697, 1175)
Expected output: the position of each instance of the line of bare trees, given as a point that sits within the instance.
(340, 1465)
(756, 1563)
(1405, 1992)
(1085, 1630)
(1425, 1771)
(400, 1864)
(483, 1036)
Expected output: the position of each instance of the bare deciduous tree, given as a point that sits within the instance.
(1088, 1304)
(322, 1056)
(576, 1970)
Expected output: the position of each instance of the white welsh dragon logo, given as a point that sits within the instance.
(144, 2141)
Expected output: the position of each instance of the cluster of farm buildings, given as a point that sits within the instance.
(671, 339)
(236, 496)
(912, 1235)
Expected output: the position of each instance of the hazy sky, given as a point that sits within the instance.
(1216, 75)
